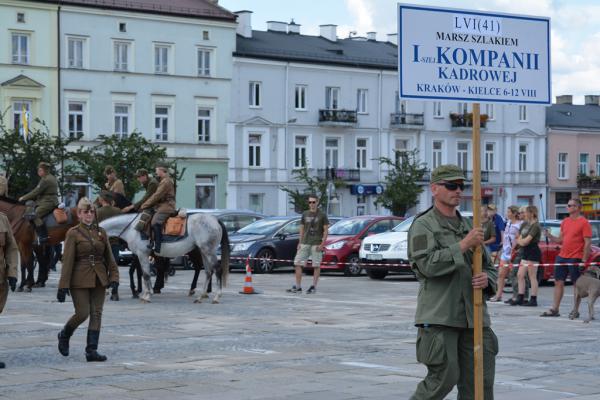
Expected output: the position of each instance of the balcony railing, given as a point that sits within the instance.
(485, 176)
(466, 120)
(348, 175)
(588, 182)
(337, 117)
(398, 120)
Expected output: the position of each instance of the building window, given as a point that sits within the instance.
(122, 27)
(122, 56)
(161, 123)
(205, 35)
(20, 48)
(362, 153)
(300, 146)
(361, 101)
(463, 108)
(21, 111)
(255, 94)
(436, 158)
(204, 62)
(332, 152)
(522, 113)
(437, 109)
(75, 52)
(206, 195)
(584, 164)
(490, 149)
(254, 146)
(122, 120)
(332, 98)
(75, 119)
(161, 59)
(400, 147)
(204, 124)
(563, 172)
(255, 202)
(300, 97)
(490, 112)
(523, 147)
(21, 17)
(462, 155)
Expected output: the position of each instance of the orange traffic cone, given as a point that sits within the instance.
(248, 288)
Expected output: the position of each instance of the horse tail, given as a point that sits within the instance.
(224, 254)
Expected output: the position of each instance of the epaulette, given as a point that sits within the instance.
(422, 213)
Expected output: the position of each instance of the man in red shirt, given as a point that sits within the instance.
(576, 238)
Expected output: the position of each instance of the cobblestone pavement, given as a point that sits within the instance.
(354, 339)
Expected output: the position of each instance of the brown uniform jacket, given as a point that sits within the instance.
(150, 186)
(87, 256)
(116, 187)
(45, 193)
(106, 212)
(163, 200)
(9, 257)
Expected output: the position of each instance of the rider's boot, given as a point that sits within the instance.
(157, 230)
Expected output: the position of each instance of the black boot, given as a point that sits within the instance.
(2, 365)
(519, 301)
(91, 350)
(532, 302)
(63, 340)
(42, 233)
(157, 230)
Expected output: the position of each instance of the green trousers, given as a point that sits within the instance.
(448, 354)
(88, 303)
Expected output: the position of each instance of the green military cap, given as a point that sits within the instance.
(447, 172)
(44, 165)
(141, 172)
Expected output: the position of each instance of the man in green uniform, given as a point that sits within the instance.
(9, 262)
(162, 202)
(149, 183)
(440, 249)
(45, 196)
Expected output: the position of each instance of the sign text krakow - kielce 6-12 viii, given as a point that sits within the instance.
(451, 54)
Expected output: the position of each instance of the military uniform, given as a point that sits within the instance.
(163, 204)
(45, 196)
(116, 186)
(445, 306)
(9, 260)
(151, 185)
(88, 268)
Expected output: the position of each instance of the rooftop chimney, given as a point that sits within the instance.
(392, 38)
(329, 32)
(564, 99)
(244, 20)
(293, 27)
(371, 35)
(592, 100)
(276, 26)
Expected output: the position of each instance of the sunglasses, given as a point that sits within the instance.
(571, 205)
(452, 186)
(312, 202)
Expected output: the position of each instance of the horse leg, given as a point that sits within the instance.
(140, 273)
(30, 280)
(146, 283)
(194, 281)
(204, 295)
(44, 254)
(219, 273)
(23, 275)
(132, 270)
(159, 283)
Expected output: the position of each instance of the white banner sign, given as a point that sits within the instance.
(452, 54)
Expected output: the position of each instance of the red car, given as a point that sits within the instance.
(344, 239)
(550, 250)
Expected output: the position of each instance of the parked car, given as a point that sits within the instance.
(271, 238)
(232, 219)
(390, 248)
(344, 238)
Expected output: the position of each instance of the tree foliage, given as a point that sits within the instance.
(19, 158)
(402, 187)
(313, 185)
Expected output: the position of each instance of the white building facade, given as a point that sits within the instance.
(334, 102)
(164, 72)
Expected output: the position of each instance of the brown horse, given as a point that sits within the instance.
(25, 237)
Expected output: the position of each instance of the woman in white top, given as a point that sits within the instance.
(508, 245)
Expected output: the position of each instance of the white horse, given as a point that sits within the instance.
(204, 235)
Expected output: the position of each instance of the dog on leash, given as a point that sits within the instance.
(588, 285)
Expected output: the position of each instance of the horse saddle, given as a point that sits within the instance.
(58, 217)
(175, 226)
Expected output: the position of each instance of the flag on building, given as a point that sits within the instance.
(25, 122)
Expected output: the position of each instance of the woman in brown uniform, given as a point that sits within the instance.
(88, 267)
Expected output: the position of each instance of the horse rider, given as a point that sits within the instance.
(106, 210)
(88, 268)
(45, 195)
(162, 202)
(9, 260)
(149, 183)
(113, 184)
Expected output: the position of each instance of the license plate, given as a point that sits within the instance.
(374, 257)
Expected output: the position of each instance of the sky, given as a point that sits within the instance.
(575, 39)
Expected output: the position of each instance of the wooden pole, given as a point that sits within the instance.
(477, 295)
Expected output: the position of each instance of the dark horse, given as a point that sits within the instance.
(25, 238)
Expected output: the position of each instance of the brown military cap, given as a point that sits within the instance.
(44, 165)
(109, 169)
(163, 165)
(141, 172)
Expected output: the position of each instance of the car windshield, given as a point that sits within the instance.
(553, 228)
(262, 227)
(348, 227)
(404, 225)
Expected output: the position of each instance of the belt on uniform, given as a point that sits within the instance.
(93, 259)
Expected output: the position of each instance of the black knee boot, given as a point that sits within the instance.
(42, 233)
(63, 340)
(91, 350)
(157, 229)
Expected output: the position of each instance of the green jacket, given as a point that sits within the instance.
(444, 272)
(150, 186)
(45, 193)
(106, 212)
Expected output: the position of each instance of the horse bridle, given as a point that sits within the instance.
(130, 222)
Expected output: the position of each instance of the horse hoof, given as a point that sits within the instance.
(114, 297)
(204, 296)
(215, 301)
(587, 321)
(197, 301)
(39, 285)
(145, 301)
(20, 289)
(191, 292)
(135, 296)
(156, 291)
(28, 289)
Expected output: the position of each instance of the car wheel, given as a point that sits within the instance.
(377, 273)
(352, 267)
(265, 263)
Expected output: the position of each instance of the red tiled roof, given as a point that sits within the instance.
(188, 8)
